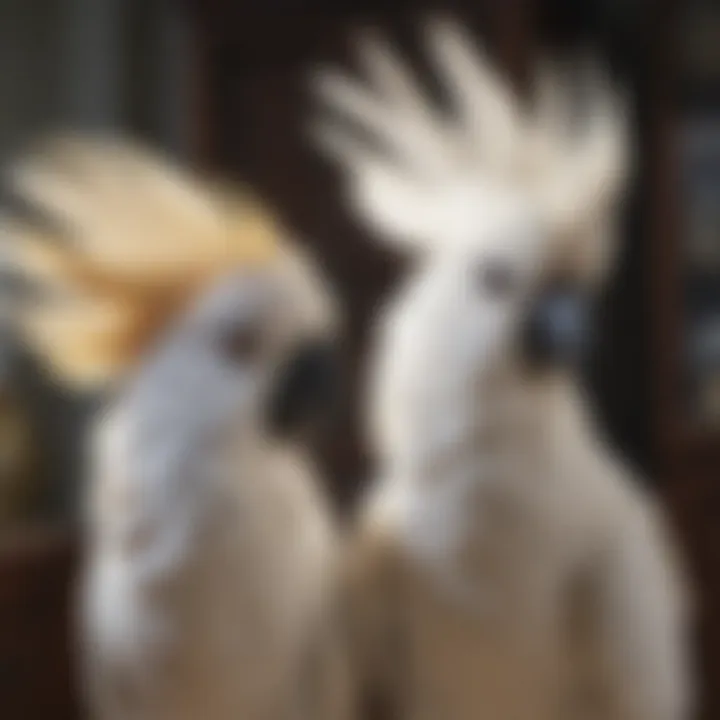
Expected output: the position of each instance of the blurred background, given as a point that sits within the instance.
(89, 65)
(222, 84)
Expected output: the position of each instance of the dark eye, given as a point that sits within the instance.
(497, 279)
(242, 344)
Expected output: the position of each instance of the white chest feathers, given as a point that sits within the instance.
(202, 590)
(526, 595)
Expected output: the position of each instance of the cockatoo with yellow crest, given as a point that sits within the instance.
(506, 566)
(209, 580)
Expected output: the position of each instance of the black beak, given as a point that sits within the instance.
(558, 330)
(306, 389)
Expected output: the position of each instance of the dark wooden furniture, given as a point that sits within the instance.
(688, 450)
(37, 656)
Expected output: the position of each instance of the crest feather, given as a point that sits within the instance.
(136, 239)
(572, 172)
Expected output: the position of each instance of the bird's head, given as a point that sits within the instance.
(184, 294)
(506, 207)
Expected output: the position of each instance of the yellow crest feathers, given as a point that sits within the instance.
(137, 239)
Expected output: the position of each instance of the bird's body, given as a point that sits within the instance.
(506, 566)
(209, 589)
(209, 584)
(205, 606)
(519, 593)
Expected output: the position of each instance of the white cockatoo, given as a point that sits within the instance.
(207, 590)
(506, 566)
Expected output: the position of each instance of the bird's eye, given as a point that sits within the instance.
(243, 344)
(497, 279)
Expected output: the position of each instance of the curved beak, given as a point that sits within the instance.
(306, 389)
(558, 329)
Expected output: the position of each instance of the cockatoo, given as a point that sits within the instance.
(207, 590)
(505, 565)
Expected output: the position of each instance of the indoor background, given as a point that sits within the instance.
(223, 84)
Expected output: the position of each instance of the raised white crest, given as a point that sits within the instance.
(431, 177)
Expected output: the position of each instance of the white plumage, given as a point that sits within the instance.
(505, 564)
(208, 587)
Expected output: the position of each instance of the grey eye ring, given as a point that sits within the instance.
(242, 344)
(497, 279)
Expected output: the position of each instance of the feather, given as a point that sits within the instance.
(487, 110)
(137, 238)
(491, 139)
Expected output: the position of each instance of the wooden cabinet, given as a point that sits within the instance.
(37, 658)
(685, 125)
